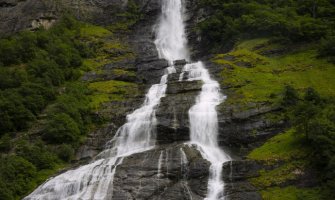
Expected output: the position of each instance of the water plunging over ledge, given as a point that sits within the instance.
(95, 180)
(204, 127)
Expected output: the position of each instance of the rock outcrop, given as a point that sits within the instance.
(235, 175)
(166, 172)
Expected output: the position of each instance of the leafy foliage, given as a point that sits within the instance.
(293, 21)
(314, 117)
(38, 80)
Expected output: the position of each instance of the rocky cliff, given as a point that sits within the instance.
(172, 170)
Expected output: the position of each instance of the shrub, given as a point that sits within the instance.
(65, 152)
(61, 129)
(16, 173)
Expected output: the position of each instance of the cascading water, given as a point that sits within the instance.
(204, 127)
(171, 41)
(95, 180)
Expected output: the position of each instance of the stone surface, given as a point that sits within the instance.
(172, 114)
(141, 177)
(236, 174)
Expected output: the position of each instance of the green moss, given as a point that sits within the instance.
(113, 87)
(287, 172)
(291, 193)
(97, 100)
(94, 64)
(282, 147)
(251, 44)
(105, 91)
(266, 76)
(88, 30)
(124, 72)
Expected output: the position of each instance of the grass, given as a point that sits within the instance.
(287, 172)
(97, 100)
(89, 31)
(123, 72)
(112, 90)
(264, 77)
(291, 193)
(282, 147)
(113, 87)
(287, 156)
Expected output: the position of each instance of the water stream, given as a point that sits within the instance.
(95, 180)
(204, 127)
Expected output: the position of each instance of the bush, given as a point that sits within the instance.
(37, 154)
(65, 152)
(61, 129)
(315, 118)
(17, 174)
(297, 21)
(5, 143)
(327, 49)
(290, 96)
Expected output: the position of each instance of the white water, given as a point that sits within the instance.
(204, 127)
(95, 180)
(160, 164)
(171, 41)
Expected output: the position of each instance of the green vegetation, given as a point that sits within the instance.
(291, 193)
(45, 111)
(308, 145)
(283, 147)
(255, 77)
(291, 21)
(105, 91)
(314, 118)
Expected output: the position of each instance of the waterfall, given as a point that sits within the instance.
(159, 166)
(203, 115)
(171, 40)
(95, 180)
(204, 127)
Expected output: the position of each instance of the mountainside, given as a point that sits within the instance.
(108, 98)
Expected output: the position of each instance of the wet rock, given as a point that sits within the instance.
(244, 64)
(236, 174)
(172, 114)
(246, 129)
(184, 87)
(161, 172)
(238, 170)
(151, 71)
(180, 62)
(95, 142)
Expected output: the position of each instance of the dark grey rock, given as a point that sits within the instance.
(140, 177)
(151, 71)
(180, 62)
(238, 170)
(184, 87)
(172, 114)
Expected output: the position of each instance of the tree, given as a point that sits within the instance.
(290, 96)
(61, 129)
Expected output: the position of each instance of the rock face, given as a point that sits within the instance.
(145, 64)
(16, 15)
(166, 172)
(172, 114)
(172, 170)
(235, 175)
